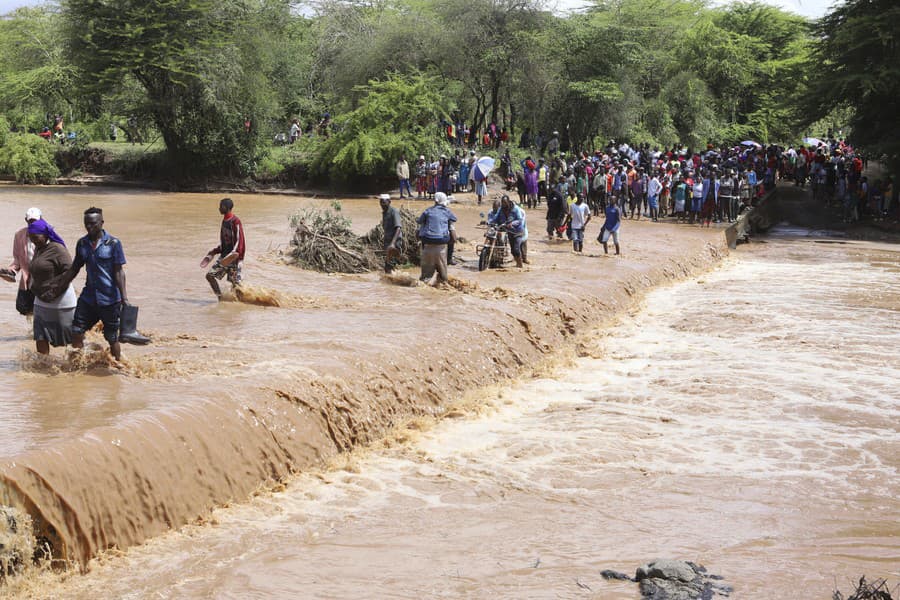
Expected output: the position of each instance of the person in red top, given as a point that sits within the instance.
(231, 248)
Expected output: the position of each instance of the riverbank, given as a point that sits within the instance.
(231, 397)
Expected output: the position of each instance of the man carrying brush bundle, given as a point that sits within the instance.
(231, 250)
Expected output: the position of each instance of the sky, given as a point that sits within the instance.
(807, 8)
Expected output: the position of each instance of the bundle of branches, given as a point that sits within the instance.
(875, 590)
(411, 251)
(323, 241)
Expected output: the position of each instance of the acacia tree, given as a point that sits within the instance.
(35, 75)
(181, 52)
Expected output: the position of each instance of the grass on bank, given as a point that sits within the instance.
(123, 149)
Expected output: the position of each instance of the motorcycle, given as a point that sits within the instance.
(492, 253)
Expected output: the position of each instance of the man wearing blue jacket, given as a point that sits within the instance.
(435, 232)
(513, 218)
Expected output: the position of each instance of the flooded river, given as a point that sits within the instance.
(748, 420)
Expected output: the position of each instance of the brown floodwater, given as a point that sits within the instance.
(746, 420)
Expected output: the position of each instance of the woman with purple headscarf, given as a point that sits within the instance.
(53, 311)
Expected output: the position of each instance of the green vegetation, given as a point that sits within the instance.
(393, 116)
(857, 72)
(211, 83)
(28, 158)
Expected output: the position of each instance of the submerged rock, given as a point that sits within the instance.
(16, 541)
(672, 570)
(674, 580)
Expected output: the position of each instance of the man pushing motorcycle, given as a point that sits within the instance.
(512, 219)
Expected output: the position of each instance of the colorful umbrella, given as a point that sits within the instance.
(483, 168)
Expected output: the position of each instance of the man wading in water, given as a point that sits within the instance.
(435, 232)
(231, 250)
(104, 289)
(392, 225)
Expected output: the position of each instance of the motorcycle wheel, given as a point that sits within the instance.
(484, 259)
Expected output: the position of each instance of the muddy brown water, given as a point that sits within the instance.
(746, 420)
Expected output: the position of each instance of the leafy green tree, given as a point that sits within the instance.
(190, 58)
(857, 64)
(723, 60)
(486, 45)
(397, 115)
(779, 43)
(35, 73)
(691, 105)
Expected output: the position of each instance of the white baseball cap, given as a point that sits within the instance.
(384, 197)
(33, 213)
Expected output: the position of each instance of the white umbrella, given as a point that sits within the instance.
(811, 141)
(483, 168)
(751, 143)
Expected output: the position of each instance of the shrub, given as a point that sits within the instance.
(29, 158)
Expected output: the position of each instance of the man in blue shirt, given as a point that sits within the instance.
(611, 226)
(513, 218)
(104, 289)
(435, 231)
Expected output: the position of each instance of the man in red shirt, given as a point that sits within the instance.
(231, 250)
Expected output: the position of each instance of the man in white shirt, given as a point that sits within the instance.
(579, 217)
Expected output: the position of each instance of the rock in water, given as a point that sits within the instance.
(675, 580)
(16, 541)
(672, 570)
(608, 574)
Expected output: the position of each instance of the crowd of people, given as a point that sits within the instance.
(447, 175)
(835, 172)
(701, 187)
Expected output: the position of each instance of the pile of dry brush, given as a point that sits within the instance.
(865, 590)
(323, 241)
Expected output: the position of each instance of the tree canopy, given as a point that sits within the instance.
(197, 72)
(856, 65)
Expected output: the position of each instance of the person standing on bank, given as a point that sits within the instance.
(231, 249)
(104, 291)
(53, 311)
(403, 176)
(393, 232)
(435, 230)
(23, 251)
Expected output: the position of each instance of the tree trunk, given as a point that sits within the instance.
(479, 117)
(495, 97)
